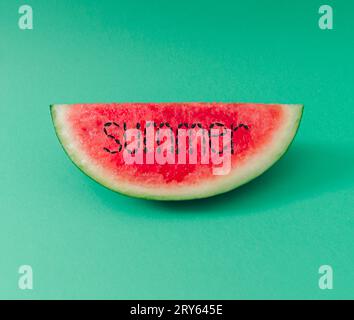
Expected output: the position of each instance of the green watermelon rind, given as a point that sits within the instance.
(75, 156)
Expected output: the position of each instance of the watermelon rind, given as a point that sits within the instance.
(259, 163)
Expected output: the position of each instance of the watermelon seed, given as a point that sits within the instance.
(240, 126)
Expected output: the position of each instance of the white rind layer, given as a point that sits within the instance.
(253, 167)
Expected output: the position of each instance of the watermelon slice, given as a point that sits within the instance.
(175, 151)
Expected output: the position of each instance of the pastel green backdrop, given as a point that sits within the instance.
(264, 240)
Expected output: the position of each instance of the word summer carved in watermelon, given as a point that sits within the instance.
(159, 143)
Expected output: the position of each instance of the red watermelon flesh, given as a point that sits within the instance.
(254, 136)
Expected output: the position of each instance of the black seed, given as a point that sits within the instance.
(161, 124)
(107, 150)
(138, 125)
(108, 124)
(116, 124)
(241, 126)
(110, 136)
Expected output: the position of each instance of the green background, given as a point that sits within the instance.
(264, 240)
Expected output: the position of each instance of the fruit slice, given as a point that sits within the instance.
(175, 151)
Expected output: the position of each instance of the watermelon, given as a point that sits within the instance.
(175, 151)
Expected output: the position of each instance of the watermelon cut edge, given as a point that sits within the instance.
(259, 163)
